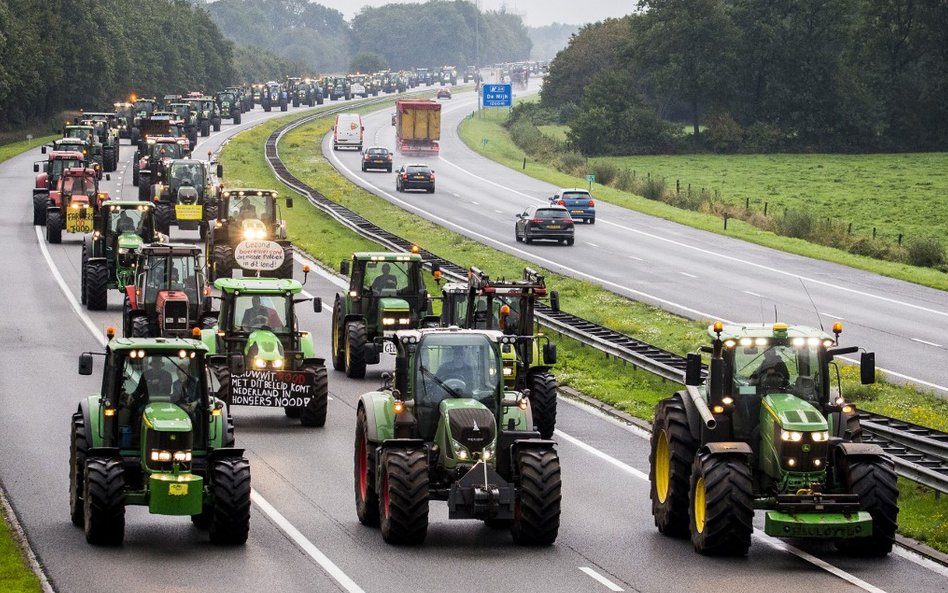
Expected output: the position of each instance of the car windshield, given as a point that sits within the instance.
(552, 213)
(177, 272)
(456, 365)
(252, 312)
(784, 368)
(389, 277)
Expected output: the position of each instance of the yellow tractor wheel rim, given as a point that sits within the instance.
(662, 466)
(699, 506)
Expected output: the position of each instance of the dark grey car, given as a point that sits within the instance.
(545, 222)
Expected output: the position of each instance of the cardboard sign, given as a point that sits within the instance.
(79, 220)
(189, 211)
(272, 389)
(265, 256)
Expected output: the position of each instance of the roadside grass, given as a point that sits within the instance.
(15, 573)
(895, 193)
(13, 149)
(583, 368)
(923, 517)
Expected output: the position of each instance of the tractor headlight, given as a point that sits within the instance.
(277, 364)
(460, 451)
(160, 455)
(820, 436)
(487, 453)
(388, 321)
(123, 250)
(508, 371)
(182, 456)
(404, 320)
(791, 435)
(259, 363)
(251, 234)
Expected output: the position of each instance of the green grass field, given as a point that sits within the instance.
(15, 148)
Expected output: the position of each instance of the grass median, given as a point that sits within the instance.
(582, 368)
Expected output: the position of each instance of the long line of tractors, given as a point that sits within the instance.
(467, 415)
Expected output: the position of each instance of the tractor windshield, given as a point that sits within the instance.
(126, 220)
(391, 278)
(251, 207)
(80, 133)
(226, 98)
(186, 173)
(58, 165)
(171, 273)
(182, 111)
(73, 185)
(267, 311)
(144, 107)
(167, 150)
(783, 368)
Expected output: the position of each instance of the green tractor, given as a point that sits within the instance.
(444, 428)
(767, 430)
(207, 112)
(141, 109)
(106, 126)
(110, 253)
(185, 194)
(170, 296)
(258, 331)
(229, 105)
(189, 117)
(509, 306)
(155, 437)
(247, 215)
(386, 293)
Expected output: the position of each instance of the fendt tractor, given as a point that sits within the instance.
(48, 173)
(386, 293)
(110, 253)
(445, 428)
(154, 436)
(170, 296)
(185, 193)
(71, 205)
(769, 429)
(258, 335)
(247, 215)
(509, 306)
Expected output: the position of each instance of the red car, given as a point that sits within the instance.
(444, 93)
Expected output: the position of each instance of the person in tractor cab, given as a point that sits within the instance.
(124, 223)
(456, 366)
(384, 281)
(255, 315)
(247, 210)
(186, 392)
(772, 374)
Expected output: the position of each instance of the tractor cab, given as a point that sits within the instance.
(248, 215)
(86, 133)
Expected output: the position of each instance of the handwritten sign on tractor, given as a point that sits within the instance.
(264, 256)
(272, 388)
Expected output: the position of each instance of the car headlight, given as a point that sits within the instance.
(820, 436)
(791, 435)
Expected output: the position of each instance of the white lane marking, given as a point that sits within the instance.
(455, 195)
(598, 577)
(499, 211)
(753, 294)
(832, 316)
(317, 268)
(590, 244)
(472, 201)
(635, 258)
(773, 542)
(920, 341)
(716, 254)
(920, 560)
(304, 544)
(687, 274)
(279, 520)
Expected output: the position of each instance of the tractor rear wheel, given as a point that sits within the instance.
(54, 226)
(206, 128)
(217, 124)
(338, 350)
(721, 512)
(163, 216)
(103, 501)
(403, 496)
(874, 480)
(236, 119)
(355, 350)
(139, 327)
(78, 446)
(314, 412)
(230, 494)
(286, 268)
(543, 401)
(86, 248)
(97, 286)
(366, 496)
(537, 513)
(222, 255)
(39, 209)
(671, 455)
(228, 439)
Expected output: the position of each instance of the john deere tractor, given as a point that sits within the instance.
(247, 215)
(110, 253)
(187, 115)
(768, 429)
(170, 296)
(445, 428)
(386, 293)
(229, 104)
(185, 194)
(508, 306)
(259, 332)
(207, 112)
(153, 436)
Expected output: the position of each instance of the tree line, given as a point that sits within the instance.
(757, 75)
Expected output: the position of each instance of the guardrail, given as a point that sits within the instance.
(920, 454)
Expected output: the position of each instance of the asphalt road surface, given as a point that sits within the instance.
(694, 273)
(304, 532)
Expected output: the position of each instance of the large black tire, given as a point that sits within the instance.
(338, 351)
(671, 455)
(236, 119)
(39, 209)
(97, 286)
(537, 517)
(206, 128)
(103, 500)
(314, 412)
(543, 402)
(355, 349)
(86, 248)
(54, 226)
(135, 175)
(296, 102)
(140, 327)
(366, 494)
(217, 124)
(286, 268)
(874, 480)
(228, 439)
(403, 496)
(144, 191)
(721, 512)
(222, 261)
(163, 216)
(78, 446)
(230, 494)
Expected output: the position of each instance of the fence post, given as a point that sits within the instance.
(725, 221)
(524, 162)
(900, 239)
(678, 186)
(873, 232)
(849, 230)
(747, 203)
(765, 208)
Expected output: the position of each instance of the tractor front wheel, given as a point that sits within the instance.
(163, 216)
(78, 446)
(537, 512)
(874, 480)
(86, 248)
(230, 493)
(403, 496)
(338, 350)
(222, 255)
(139, 327)
(314, 412)
(39, 209)
(286, 268)
(97, 286)
(366, 496)
(206, 128)
(671, 455)
(543, 401)
(355, 350)
(721, 512)
(237, 119)
(103, 501)
(54, 226)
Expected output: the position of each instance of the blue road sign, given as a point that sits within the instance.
(498, 95)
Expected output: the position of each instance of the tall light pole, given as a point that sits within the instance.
(477, 36)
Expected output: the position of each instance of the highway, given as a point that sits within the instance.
(694, 273)
(304, 533)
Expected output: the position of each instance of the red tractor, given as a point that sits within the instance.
(73, 203)
(56, 162)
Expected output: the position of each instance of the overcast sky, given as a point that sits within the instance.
(535, 13)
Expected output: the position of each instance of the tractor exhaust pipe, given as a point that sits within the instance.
(701, 406)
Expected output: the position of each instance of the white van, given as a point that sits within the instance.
(348, 131)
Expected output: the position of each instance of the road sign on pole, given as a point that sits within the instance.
(497, 95)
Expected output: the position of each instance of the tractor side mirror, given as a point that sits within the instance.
(220, 170)
(867, 368)
(693, 369)
(386, 380)
(108, 177)
(43, 149)
(555, 301)
(549, 353)
(36, 168)
(716, 384)
(236, 363)
(85, 364)
(317, 305)
(344, 267)
(289, 202)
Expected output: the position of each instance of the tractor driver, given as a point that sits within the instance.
(124, 223)
(457, 366)
(187, 391)
(258, 310)
(246, 210)
(384, 281)
(772, 372)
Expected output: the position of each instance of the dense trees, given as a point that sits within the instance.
(841, 75)
(548, 40)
